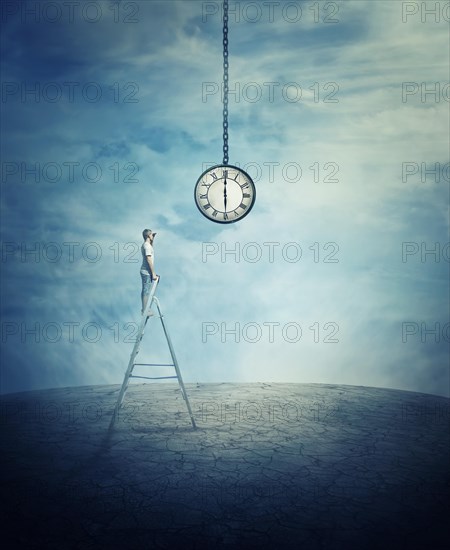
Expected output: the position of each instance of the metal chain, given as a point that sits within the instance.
(225, 82)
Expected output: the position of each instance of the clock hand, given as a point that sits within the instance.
(225, 194)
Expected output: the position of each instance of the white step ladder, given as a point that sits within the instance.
(131, 364)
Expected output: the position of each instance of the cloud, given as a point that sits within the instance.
(84, 177)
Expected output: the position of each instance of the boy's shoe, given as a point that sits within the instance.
(149, 314)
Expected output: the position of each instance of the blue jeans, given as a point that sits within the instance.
(146, 285)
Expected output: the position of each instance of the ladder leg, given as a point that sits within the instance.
(175, 363)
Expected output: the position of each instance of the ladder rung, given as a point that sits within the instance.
(152, 377)
(154, 364)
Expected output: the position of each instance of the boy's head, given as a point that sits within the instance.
(147, 233)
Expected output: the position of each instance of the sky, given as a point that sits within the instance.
(338, 110)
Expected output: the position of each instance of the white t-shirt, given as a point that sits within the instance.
(147, 250)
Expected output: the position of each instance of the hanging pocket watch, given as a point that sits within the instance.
(225, 193)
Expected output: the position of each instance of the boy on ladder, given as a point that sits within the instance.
(148, 274)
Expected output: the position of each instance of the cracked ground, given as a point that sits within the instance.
(281, 466)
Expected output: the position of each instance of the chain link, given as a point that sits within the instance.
(225, 82)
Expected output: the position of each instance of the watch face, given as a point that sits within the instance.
(225, 194)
